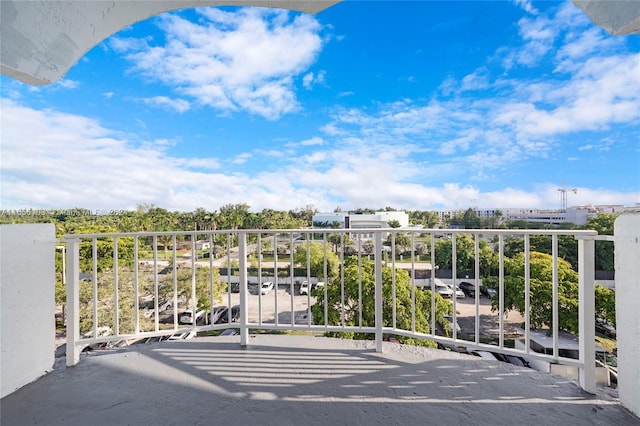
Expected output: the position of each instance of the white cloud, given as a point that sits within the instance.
(387, 154)
(178, 105)
(310, 79)
(198, 163)
(66, 83)
(57, 160)
(478, 80)
(312, 141)
(345, 94)
(232, 60)
(526, 6)
(241, 158)
(602, 92)
(582, 43)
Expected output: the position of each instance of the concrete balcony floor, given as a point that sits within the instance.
(301, 380)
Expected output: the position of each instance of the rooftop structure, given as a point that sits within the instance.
(283, 380)
(351, 220)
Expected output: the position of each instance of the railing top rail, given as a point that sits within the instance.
(576, 233)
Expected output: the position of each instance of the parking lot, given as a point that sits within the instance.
(264, 308)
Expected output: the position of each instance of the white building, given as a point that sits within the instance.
(577, 215)
(362, 221)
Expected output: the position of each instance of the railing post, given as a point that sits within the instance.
(244, 306)
(73, 301)
(378, 291)
(586, 313)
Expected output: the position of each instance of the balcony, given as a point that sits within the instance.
(279, 366)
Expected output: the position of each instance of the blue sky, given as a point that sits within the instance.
(421, 105)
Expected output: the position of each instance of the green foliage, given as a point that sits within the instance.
(104, 253)
(394, 224)
(603, 223)
(208, 287)
(541, 296)
(567, 247)
(606, 304)
(354, 303)
(317, 260)
(427, 219)
(105, 306)
(465, 252)
(402, 241)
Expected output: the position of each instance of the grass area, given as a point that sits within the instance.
(609, 345)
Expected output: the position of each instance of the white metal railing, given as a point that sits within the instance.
(110, 276)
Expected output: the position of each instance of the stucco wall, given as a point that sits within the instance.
(27, 303)
(627, 259)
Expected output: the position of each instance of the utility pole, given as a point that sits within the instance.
(563, 197)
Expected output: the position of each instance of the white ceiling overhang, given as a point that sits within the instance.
(617, 17)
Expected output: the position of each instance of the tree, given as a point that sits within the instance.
(603, 223)
(345, 306)
(208, 286)
(606, 304)
(567, 247)
(465, 252)
(341, 240)
(105, 305)
(234, 215)
(394, 224)
(402, 241)
(368, 247)
(541, 286)
(317, 260)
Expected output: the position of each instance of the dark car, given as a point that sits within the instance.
(606, 329)
(487, 292)
(468, 288)
(221, 314)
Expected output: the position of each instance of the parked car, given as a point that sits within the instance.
(450, 319)
(468, 288)
(444, 290)
(304, 287)
(150, 311)
(217, 313)
(221, 314)
(266, 287)
(229, 332)
(186, 317)
(487, 292)
(605, 328)
(459, 293)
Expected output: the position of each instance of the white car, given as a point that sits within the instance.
(450, 319)
(444, 290)
(459, 292)
(186, 317)
(304, 287)
(266, 287)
